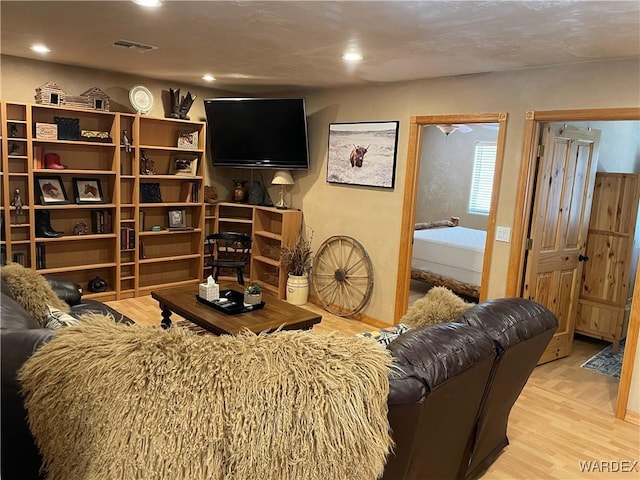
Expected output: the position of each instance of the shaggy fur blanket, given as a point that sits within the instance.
(32, 291)
(439, 305)
(109, 401)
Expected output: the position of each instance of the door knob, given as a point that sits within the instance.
(582, 258)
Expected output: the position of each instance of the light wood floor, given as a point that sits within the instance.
(563, 416)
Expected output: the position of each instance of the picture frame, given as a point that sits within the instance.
(188, 140)
(87, 190)
(51, 190)
(363, 153)
(184, 165)
(177, 219)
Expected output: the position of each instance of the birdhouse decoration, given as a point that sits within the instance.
(51, 94)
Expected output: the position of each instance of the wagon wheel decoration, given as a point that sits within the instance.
(342, 275)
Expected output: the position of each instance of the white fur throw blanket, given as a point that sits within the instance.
(111, 401)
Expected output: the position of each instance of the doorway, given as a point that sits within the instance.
(524, 203)
(416, 139)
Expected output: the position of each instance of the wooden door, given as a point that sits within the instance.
(605, 289)
(559, 223)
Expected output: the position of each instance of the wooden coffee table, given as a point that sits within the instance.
(275, 314)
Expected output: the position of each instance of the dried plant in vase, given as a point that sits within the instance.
(298, 258)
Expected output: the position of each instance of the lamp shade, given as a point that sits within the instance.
(282, 177)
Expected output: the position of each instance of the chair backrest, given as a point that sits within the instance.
(228, 249)
(436, 391)
(521, 330)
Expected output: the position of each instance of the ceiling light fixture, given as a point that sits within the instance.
(40, 48)
(352, 57)
(447, 129)
(208, 77)
(148, 3)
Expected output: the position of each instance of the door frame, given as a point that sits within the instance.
(411, 192)
(521, 220)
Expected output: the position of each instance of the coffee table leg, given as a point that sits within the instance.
(166, 317)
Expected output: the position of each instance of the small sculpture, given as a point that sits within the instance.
(126, 142)
(180, 107)
(13, 130)
(17, 201)
(147, 166)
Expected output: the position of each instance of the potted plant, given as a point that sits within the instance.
(253, 293)
(297, 260)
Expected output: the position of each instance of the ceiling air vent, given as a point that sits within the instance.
(135, 46)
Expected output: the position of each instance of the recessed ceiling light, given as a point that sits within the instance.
(38, 47)
(352, 57)
(208, 77)
(148, 3)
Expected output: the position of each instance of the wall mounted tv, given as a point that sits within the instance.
(258, 132)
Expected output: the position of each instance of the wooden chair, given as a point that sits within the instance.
(228, 250)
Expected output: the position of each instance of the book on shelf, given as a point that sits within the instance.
(101, 221)
(38, 162)
(20, 258)
(127, 238)
(41, 256)
(185, 192)
(97, 221)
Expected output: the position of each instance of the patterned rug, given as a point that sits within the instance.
(605, 362)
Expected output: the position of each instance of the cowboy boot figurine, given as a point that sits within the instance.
(185, 105)
(175, 103)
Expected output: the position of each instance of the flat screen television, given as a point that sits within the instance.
(258, 132)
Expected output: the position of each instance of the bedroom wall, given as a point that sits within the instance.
(446, 171)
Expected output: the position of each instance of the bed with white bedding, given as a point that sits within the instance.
(455, 253)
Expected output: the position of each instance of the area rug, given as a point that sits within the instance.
(605, 362)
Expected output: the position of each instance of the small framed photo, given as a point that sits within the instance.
(87, 190)
(177, 219)
(188, 140)
(51, 190)
(184, 165)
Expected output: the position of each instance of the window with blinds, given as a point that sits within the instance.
(484, 164)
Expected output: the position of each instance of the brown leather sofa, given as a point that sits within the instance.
(20, 336)
(454, 385)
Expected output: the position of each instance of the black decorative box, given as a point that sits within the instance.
(231, 302)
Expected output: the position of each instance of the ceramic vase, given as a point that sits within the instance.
(298, 289)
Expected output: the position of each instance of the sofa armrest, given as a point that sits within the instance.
(405, 386)
(67, 290)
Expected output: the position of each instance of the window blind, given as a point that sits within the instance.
(484, 164)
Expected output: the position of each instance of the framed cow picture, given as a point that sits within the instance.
(88, 190)
(363, 153)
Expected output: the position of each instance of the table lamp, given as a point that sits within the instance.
(282, 178)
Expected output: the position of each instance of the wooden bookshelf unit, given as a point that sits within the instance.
(125, 252)
(270, 229)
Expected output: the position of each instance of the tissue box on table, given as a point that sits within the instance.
(210, 290)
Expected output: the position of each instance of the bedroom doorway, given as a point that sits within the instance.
(523, 208)
(443, 128)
